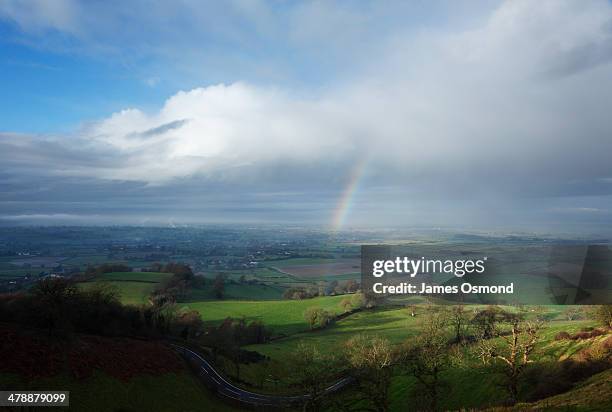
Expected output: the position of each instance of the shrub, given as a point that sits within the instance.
(588, 335)
(603, 314)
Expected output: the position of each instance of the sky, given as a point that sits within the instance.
(488, 115)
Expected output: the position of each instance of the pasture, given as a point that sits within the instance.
(282, 316)
(237, 291)
(397, 325)
(134, 288)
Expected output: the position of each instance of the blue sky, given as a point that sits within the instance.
(58, 71)
(462, 113)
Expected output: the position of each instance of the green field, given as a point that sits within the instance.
(297, 262)
(471, 386)
(134, 288)
(237, 291)
(282, 316)
(150, 277)
(169, 392)
(394, 324)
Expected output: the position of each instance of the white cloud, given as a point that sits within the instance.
(519, 103)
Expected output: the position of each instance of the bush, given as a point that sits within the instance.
(298, 293)
(318, 318)
(57, 306)
(588, 335)
(563, 336)
(603, 314)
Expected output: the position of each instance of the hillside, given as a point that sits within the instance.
(102, 374)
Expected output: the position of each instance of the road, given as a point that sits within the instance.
(229, 390)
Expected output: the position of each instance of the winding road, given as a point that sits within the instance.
(224, 388)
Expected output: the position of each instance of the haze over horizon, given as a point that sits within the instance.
(456, 114)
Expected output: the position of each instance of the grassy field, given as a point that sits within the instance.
(594, 395)
(471, 386)
(282, 316)
(298, 262)
(169, 392)
(237, 291)
(395, 324)
(147, 277)
(134, 287)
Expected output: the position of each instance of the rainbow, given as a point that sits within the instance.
(345, 202)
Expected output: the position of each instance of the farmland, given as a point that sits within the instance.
(133, 287)
(344, 268)
(282, 316)
(275, 276)
(472, 386)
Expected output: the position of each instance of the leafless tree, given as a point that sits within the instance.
(370, 360)
(512, 350)
(427, 355)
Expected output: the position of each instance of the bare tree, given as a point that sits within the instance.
(603, 314)
(317, 317)
(312, 370)
(513, 351)
(370, 360)
(427, 355)
(459, 321)
(573, 313)
(346, 304)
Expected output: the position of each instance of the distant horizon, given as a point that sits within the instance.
(419, 231)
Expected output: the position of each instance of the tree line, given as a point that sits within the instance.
(503, 342)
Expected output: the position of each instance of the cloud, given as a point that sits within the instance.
(515, 106)
(39, 15)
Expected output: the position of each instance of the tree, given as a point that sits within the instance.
(573, 314)
(312, 371)
(317, 317)
(351, 286)
(513, 351)
(330, 289)
(603, 314)
(54, 295)
(485, 321)
(358, 300)
(219, 286)
(426, 356)
(346, 304)
(459, 321)
(370, 360)
(189, 322)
